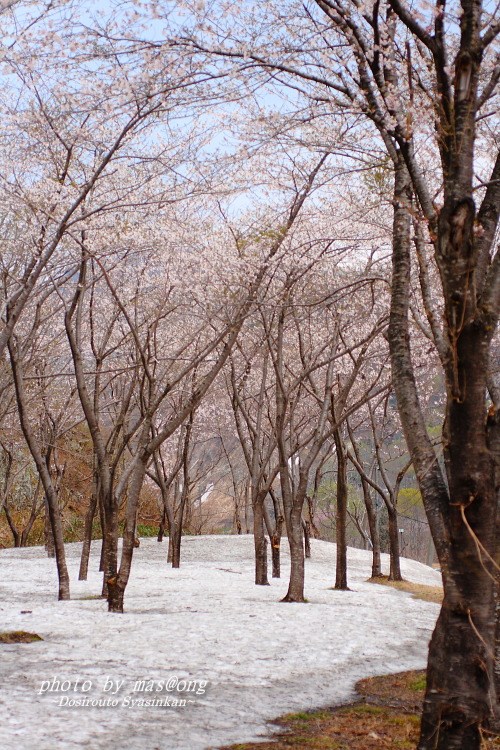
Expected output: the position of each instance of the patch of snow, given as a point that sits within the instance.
(245, 656)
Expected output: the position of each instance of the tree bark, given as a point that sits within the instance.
(295, 591)
(87, 532)
(341, 514)
(274, 533)
(117, 583)
(307, 538)
(44, 474)
(370, 510)
(276, 547)
(395, 565)
(493, 426)
(260, 541)
(373, 526)
(460, 664)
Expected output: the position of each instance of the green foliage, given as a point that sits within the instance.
(146, 529)
(435, 432)
(408, 498)
(419, 684)
(74, 528)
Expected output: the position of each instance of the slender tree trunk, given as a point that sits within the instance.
(341, 514)
(176, 541)
(275, 553)
(13, 528)
(307, 539)
(87, 532)
(395, 565)
(260, 541)
(118, 583)
(236, 518)
(247, 504)
(276, 546)
(177, 537)
(57, 532)
(44, 474)
(47, 531)
(161, 527)
(171, 537)
(371, 513)
(35, 511)
(372, 525)
(274, 533)
(102, 557)
(173, 521)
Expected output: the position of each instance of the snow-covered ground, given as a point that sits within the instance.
(203, 634)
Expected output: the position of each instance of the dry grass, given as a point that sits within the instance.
(19, 636)
(419, 590)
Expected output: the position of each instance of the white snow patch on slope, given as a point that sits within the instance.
(205, 621)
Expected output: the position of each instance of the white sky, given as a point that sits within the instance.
(206, 621)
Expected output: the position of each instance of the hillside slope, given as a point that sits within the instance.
(246, 656)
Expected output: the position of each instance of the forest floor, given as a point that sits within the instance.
(387, 715)
(203, 634)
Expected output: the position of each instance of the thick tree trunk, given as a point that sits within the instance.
(459, 665)
(115, 595)
(493, 427)
(176, 544)
(461, 515)
(110, 545)
(461, 654)
(295, 591)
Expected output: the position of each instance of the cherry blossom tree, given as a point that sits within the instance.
(425, 79)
